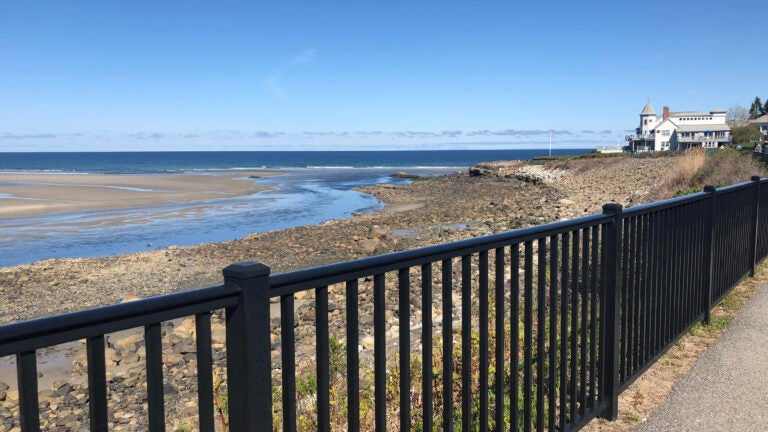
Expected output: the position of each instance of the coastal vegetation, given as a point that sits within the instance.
(746, 134)
(697, 169)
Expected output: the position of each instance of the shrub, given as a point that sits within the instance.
(695, 169)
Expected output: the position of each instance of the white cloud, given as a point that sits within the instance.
(272, 81)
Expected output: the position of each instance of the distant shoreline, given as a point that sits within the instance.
(30, 194)
(191, 162)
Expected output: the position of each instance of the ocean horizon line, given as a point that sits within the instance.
(545, 148)
(172, 162)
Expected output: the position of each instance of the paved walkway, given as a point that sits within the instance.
(727, 389)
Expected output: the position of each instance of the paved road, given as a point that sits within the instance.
(727, 389)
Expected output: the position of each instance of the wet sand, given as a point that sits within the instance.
(34, 194)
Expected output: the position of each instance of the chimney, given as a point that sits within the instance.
(666, 112)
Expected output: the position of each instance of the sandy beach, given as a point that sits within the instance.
(27, 194)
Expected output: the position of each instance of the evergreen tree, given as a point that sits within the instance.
(756, 110)
(765, 107)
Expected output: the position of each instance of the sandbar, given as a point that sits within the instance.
(28, 194)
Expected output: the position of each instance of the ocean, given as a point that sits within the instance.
(170, 162)
(315, 187)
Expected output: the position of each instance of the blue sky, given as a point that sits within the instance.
(109, 75)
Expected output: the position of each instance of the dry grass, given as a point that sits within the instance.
(681, 178)
(695, 169)
(728, 167)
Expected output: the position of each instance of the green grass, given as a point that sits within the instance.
(720, 323)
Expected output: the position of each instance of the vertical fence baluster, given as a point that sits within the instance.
(637, 259)
(323, 360)
(353, 357)
(709, 252)
(658, 254)
(404, 320)
(672, 274)
(759, 251)
(601, 333)
(541, 333)
(575, 288)
(156, 405)
(380, 352)
(26, 373)
(646, 287)
(466, 342)
(426, 345)
(564, 332)
(624, 305)
(514, 336)
(583, 337)
(755, 226)
(629, 301)
(288, 346)
(692, 259)
(97, 383)
(447, 270)
(498, 319)
(204, 370)
(483, 347)
(593, 320)
(679, 267)
(667, 283)
(551, 385)
(705, 235)
(698, 283)
(684, 253)
(635, 300)
(666, 318)
(683, 267)
(609, 382)
(528, 338)
(721, 203)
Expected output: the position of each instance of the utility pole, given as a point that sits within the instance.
(550, 143)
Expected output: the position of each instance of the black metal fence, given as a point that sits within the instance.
(555, 321)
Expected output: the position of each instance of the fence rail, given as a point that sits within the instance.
(555, 321)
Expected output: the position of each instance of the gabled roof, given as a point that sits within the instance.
(703, 127)
(663, 122)
(648, 110)
(761, 119)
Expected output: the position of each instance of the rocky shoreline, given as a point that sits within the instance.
(489, 198)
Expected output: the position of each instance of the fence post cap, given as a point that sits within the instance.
(612, 208)
(755, 178)
(710, 189)
(246, 270)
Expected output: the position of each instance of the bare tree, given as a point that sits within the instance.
(737, 113)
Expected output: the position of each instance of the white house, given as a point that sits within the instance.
(679, 130)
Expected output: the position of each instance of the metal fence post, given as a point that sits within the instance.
(249, 372)
(610, 293)
(755, 222)
(709, 252)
